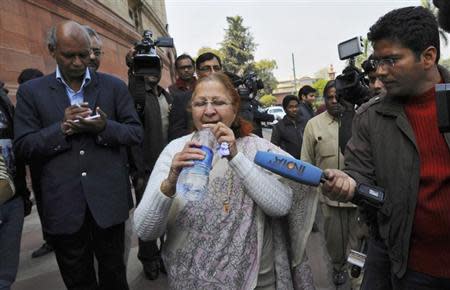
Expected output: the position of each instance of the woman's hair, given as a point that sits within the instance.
(239, 126)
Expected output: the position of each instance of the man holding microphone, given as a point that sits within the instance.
(396, 145)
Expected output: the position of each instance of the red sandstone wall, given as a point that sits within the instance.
(23, 33)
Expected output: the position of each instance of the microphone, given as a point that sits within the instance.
(291, 168)
(305, 173)
(443, 107)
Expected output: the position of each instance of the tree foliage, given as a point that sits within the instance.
(267, 100)
(264, 70)
(319, 85)
(209, 49)
(238, 46)
(237, 53)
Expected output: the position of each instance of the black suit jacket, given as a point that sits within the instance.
(84, 169)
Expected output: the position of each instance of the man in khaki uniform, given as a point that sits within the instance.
(340, 220)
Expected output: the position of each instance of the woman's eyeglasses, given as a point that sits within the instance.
(217, 104)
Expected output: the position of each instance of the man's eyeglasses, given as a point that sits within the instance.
(217, 104)
(96, 51)
(211, 68)
(388, 62)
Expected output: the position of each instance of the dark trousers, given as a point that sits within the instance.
(11, 224)
(377, 269)
(420, 281)
(378, 276)
(75, 256)
(148, 250)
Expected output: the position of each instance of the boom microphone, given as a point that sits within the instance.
(305, 173)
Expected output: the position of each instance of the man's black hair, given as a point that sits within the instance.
(415, 28)
(305, 90)
(287, 99)
(443, 14)
(29, 74)
(184, 56)
(368, 66)
(205, 57)
(330, 84)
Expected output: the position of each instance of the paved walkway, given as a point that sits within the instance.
(43, 274)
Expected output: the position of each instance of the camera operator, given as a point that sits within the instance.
(152, 104)
(259, 117)
(247, 88)
(376, 86)
(396, 145)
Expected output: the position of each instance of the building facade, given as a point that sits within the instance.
(291, 87)
(25, 23)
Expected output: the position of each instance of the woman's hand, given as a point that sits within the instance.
(224, 133)
(185, 158)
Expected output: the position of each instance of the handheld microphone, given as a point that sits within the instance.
(443, 107)
(309, 174)
(290, 168)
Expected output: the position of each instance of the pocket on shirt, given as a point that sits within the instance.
(327, 148)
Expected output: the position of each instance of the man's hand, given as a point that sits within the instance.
(72, 113)
(339, 186)
(82, 125)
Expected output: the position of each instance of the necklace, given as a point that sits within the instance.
(226, 200)
(226, 205)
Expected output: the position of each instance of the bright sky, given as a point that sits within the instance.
(309, 29)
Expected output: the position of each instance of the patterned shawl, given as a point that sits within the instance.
(208, 248)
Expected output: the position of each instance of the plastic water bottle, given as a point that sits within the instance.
(193, 181)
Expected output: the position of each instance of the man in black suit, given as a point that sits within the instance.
(85, 188)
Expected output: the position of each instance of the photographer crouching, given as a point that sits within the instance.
(152, 104)
(396, 144)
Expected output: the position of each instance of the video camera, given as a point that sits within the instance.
(146, 60)
(352, 84)
(248, 86)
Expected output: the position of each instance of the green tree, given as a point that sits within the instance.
(429, 5)
(237, 47)
(209, 49)
(267, 100)
(264, 70)
(237, 54)
(319, 85)
(367, 51)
